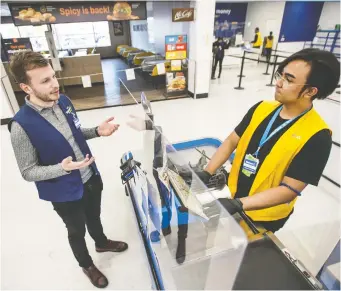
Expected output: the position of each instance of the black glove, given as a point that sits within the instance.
(204, 176)
(186, 174)
(231, 205)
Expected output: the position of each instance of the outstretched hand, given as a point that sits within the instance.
(107, 128)
(68, 165)
(136, 123)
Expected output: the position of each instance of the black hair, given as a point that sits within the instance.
(270, 37)
(220, 38)
(324, 70)
(257, 28)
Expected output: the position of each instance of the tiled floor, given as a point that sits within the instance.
(34, 248)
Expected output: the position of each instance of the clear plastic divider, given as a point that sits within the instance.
(189, 237)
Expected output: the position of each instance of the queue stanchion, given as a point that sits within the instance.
(241, 74)
(273, 73)
(267, 68)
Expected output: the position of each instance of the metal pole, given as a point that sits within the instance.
(241, 74)
(276, 48)
(267, 67)
(273, 73)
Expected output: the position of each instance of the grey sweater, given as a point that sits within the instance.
(27, 156)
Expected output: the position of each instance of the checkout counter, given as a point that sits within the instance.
(222, 251)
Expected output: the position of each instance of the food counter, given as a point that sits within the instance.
(73, 67)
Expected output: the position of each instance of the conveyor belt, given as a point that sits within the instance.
(265, 267)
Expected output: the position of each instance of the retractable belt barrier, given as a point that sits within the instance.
(244, 57)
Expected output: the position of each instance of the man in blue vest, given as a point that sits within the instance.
(51, 150)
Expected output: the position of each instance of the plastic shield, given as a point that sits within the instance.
(191, 242)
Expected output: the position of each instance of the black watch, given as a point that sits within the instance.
(96, 130)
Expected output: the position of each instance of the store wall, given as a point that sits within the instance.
(268, 17)
(330, 15)
(162, 25)
(300, 21)
(139, 39)
(265, 15)
(110, 51)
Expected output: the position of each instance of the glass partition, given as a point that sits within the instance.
(189, 238)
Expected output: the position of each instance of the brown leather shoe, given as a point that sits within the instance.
(113, 246)
(96, 277)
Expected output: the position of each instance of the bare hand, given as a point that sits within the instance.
(68, 165)
(107, 128)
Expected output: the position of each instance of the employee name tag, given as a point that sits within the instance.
(250, 165)
(77, 122)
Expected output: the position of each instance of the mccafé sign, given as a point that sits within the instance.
(183, 14)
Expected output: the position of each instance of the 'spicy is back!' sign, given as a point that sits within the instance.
(26, 14)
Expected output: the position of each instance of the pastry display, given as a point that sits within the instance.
(33, 16)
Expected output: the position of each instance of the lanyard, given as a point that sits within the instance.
(266, 135)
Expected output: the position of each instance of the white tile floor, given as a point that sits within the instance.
(34, 248)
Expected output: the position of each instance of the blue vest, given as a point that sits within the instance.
(52, 148)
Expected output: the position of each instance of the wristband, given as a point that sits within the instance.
(290, 188)
(96, 130)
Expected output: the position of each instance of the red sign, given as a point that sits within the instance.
(181, 47)
(176, 47)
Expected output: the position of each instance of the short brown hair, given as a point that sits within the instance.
(25, 61)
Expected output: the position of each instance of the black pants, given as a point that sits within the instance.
(216, 61)
(77, 214)
(268, 52)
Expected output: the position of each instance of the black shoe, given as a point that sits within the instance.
(181, 251)
(213, 78)
(219, 77)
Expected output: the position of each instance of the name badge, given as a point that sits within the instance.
(250, 165)
(77, 122)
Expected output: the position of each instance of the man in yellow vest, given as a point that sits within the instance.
(257, 42)
(281, 146)
(268, 46)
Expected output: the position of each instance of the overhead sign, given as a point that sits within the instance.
(14, 45)
(182, 14)
(27, 14)
(229, 19)
(176, 47)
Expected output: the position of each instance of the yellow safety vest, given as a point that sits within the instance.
(258, 43)
(269, 43)
(275, 165)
